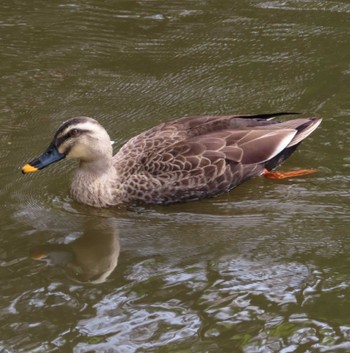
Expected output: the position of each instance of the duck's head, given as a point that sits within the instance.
(80, 138)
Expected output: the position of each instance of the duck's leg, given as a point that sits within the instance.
(291, 174)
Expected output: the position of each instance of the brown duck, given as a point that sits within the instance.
(190, 158)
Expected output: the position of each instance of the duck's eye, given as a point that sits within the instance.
(74, 132)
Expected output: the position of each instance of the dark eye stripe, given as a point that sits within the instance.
(74, 122)
(60, 139)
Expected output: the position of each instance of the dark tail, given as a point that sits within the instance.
(268, 116)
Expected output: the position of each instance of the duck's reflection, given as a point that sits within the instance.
(90, 258)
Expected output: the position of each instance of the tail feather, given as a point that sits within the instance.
(305, 130)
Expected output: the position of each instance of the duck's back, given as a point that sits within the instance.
(196, 157)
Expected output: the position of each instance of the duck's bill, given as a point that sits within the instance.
(50, 156)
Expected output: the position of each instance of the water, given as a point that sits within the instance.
(264, 268)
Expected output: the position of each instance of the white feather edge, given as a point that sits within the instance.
(283, 142)
(305, 133)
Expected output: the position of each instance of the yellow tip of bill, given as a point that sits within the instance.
(38, 255)
(29, 169)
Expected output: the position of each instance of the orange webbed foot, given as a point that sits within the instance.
(291, 174)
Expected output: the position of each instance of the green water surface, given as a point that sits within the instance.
(265, 268)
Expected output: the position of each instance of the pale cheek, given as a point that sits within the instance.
(61, 149)
(78, 151)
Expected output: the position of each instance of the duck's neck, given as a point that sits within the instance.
(96, 184)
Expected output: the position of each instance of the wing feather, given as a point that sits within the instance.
(193, 157)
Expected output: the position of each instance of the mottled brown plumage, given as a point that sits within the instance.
(186, 159)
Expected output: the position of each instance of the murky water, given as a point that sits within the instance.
(265, 268)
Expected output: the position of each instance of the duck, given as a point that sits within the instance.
(186, 159)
